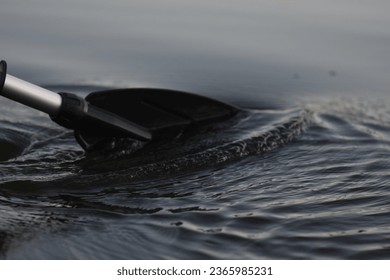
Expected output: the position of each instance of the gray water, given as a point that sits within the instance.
(300, 173)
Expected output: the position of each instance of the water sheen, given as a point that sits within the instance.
(257, 188)
(301, 173)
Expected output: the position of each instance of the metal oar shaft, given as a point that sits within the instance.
(31, 95)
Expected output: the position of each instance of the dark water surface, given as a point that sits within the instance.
(301, 172)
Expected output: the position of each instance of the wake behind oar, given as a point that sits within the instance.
(140, 113)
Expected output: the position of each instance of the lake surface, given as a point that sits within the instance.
(301, 173)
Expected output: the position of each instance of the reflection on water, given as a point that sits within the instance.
(302, 173)
(249, 47)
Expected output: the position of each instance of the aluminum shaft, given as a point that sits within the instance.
(31, 95)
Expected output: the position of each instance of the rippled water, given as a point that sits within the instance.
(301, 172)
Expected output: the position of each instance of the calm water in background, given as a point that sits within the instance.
(302, 172)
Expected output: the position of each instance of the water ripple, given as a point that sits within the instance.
(254, 187)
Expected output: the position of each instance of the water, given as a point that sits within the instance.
(301, 172)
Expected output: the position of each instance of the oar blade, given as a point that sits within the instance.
(164, 112)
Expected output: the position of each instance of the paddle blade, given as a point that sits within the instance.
(164, 112)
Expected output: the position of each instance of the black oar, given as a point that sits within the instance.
(143, 114)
